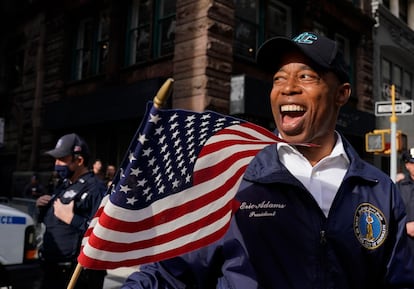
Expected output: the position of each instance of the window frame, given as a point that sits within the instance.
(154, 32)
(260, 27)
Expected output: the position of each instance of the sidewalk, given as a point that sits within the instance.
(116, 277)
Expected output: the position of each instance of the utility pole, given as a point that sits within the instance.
(393, 137)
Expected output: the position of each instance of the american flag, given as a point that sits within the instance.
(175, 189)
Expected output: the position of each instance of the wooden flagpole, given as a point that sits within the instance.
(159, 101)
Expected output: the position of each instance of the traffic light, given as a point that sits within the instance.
(375, 142)
(379, 141)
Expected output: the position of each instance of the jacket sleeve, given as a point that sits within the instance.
(215, 266)
(187, 271)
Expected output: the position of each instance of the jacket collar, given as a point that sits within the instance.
(267, 168)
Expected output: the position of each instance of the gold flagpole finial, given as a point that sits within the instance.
(163, 93)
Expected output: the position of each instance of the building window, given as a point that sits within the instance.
(393, 73)
(278, 20)
(15, 70)
(402, 10)
(92, 44)
(151, 30)
(344, 48)
(407, 84)
(256, 22)
(103, 41)
(385, 78)
(397, 80)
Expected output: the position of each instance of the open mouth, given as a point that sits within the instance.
(292, 118)
(292, 109)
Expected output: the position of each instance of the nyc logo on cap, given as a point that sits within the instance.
(370, 226)
(305, 38)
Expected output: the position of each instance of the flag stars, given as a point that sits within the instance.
(184, 171)
(175, 183)
(135, 172)
(164, 148)
(166, 156)
(173, 117)
(146, 191)
(147, 152)
(190, 132)
(175, 134)
(124, 189)
(179, 156)
(189, 124)
(141, 183)
(131, 157)
(161, 139)
(131, 201)
(159, 130)
(154, 118)
(190, 118)
(161, 190)
(173, 126)
(188, 179)
(158, 178)
(206, 116)
(155, 170)
(149, 197)
(170, 176)
(152, 161)
(142, 138)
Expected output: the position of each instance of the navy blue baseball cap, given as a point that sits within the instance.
(69, 144)
(408, 156)
(322, 51)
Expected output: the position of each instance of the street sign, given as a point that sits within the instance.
(402, 107)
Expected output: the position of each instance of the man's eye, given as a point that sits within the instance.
(308, 77)
(278, 79)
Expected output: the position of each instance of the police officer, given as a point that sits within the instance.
(66, 215)
(406, 186)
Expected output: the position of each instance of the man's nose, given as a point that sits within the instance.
(291, 86)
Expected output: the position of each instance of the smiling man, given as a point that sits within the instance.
(309, 217)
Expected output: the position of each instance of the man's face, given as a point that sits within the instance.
(410, 168)
(305, 103)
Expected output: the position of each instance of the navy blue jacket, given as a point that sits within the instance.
(406, 187)
(280, 238)
(61, 241)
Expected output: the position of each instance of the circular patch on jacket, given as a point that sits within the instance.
(370, 226)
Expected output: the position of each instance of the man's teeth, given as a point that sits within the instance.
(291, 107)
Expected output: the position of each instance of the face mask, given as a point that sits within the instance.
(64, 171)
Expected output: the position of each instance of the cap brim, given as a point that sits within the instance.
(57, 153)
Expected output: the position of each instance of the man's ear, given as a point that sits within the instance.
(344, 92)
(81, 160)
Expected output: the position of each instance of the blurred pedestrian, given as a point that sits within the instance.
(109, 175)
(406, 186)
(97, 169)
(34, 188)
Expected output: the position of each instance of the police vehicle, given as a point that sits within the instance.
(19, 266)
